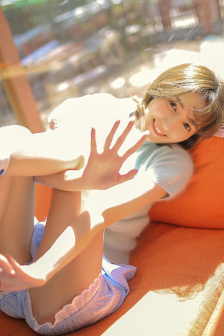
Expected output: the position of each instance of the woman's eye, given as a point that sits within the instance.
(187, 126)
(173, 105)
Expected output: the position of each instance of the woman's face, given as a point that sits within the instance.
(171, 120)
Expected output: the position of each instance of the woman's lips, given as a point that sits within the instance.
(157, 130)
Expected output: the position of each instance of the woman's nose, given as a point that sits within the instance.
(171, 121)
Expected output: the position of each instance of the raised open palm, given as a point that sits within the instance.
(103, 169)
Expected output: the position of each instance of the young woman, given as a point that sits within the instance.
(70, 285)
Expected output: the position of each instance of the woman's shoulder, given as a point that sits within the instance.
(175, 151)
(170, 166)
(168, 155)
(177, 159)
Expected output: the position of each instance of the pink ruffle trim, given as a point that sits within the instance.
(77, 303)
(220, 133)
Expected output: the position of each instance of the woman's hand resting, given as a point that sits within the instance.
(14, 277)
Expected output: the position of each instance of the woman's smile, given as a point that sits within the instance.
(157, 130)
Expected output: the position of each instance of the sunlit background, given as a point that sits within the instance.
(70, 48)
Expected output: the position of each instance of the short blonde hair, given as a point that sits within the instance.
(191, 78)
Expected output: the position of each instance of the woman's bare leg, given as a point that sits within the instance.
(16, 216)
(79, 273)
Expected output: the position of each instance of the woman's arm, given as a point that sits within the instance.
(35, 154)
(122, 200)
(102, 169)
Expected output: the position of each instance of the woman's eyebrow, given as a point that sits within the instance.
(180, 101)
(192, 121)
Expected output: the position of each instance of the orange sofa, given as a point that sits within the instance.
(178, 288)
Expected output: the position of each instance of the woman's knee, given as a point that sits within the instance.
(16, 135)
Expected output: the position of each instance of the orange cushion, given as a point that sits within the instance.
(42, 201)
(201, 205)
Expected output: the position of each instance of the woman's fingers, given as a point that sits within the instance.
(5, 266)
(119, 142)
(126, 177)
(106, 166)
(12, 262)
(110, 136)
(15, 277)
(93, 141)
(136, 146)
(123, 136)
